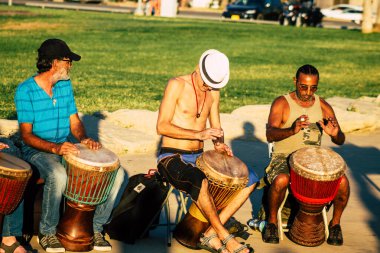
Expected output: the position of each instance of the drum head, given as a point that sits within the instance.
(97, 158)
(318, 164)
(224, 164)
(11, 163)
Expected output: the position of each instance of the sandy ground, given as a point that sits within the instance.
(360, 221)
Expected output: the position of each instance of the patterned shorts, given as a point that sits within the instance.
(278, 165)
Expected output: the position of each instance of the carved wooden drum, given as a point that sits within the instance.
(90, 177)
(14, 176)
(226, 175)
(315, 177)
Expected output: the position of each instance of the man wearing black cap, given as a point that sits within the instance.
(47, 114)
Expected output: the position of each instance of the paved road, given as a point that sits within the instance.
(184, 13)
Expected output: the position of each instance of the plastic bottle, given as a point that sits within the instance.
(257, 224)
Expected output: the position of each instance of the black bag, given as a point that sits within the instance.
(140, 205)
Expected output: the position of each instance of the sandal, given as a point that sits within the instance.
(10, 249)
(243, 246)
(205, 244)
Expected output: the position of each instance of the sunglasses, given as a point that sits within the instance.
(69, 60)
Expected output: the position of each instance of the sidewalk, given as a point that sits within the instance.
(360, 222)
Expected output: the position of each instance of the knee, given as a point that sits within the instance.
(204, 184)
(344, 184)
(57, 178)
(281, 181)
(119, 178)
(344, 189)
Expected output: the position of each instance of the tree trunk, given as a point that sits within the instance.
(367, 17)
(376, 27)
(224, 3)
(183, 3)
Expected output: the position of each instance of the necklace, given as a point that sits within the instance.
(196, 98)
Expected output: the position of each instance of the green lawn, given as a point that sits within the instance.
(127, 60)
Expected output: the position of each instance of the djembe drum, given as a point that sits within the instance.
(90, 177)
(315, 176)
(14, 176)
(226, 175)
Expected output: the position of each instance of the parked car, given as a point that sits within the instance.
(345, 12)
(253, 9)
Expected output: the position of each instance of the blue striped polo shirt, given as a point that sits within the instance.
(50, 116)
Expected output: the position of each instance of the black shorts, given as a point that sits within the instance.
(178, 167)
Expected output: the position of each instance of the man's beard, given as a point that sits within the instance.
(303, 99)
(62, 75)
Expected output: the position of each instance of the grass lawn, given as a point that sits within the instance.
(127, 60)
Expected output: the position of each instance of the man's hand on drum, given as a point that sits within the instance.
(3, 146)
(300, 123)
(91, 144)
(223, 148)
(66, 148)
(209, 133)
(330, 126)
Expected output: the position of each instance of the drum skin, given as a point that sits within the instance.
(226, 176)
(315, 176)
(14, 177)
(90, 178)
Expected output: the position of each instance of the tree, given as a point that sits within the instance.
(377, 22)
(367, 17)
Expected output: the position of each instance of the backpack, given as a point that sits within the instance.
(139, 208)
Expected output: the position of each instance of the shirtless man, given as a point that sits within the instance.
(297, 120)
(187, 104)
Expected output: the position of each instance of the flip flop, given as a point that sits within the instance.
(205, 244)
(243, 246)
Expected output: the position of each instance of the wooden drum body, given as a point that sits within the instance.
(226, 175)
(90, 177)
(14, 176)
(315, 176)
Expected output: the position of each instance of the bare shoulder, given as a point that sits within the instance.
(279, 103)
(326, 107)
(175, 85)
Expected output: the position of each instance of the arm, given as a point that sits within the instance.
(331, 127)
(276, 118)
(77, 130)
(165, 116)
(34, 141)
(214, 118)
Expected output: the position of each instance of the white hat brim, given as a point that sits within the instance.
(205, 79)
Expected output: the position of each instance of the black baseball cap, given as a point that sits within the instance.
(56, 49)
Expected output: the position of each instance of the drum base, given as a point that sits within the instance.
(75, 230)
(308, 228)
(189, 230)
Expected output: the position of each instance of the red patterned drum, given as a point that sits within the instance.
(14, 176)
(315, 177)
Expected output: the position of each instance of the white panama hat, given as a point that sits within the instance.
(214, 68)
